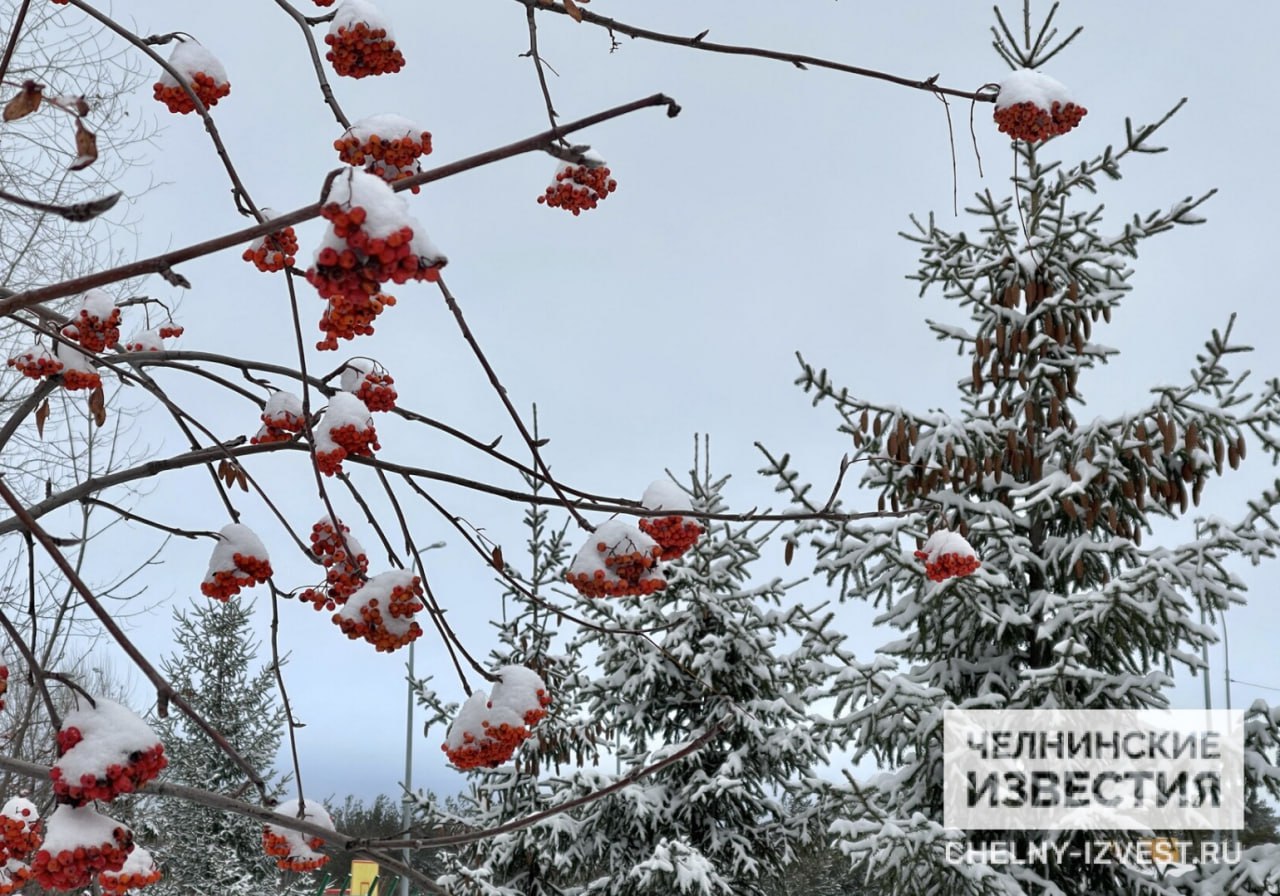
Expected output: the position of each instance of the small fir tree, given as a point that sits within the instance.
(204, 850)
(1069, 609)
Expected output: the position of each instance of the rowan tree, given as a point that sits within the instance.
(316, 481)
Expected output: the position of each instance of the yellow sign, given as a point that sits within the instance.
(363, 873)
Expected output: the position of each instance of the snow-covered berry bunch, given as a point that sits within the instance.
(388, 146)
(675, 534)
(294, 851)
(281, 418)
(576, 188)
(369, 381)
(1035, 107)
(345, 563)
(345, 430)
(103, 751)
(239, 561)
(14, 873)
(274, 251)
(488, 730)
(372, 240)
(19, 827)
(139, 870)
(946, 555)
(382, 610)
(79, 842)
(152, 340)
(361, 43)
(95, 324)
(77, 369)
(618, 559)
(203, 73)
(36, 362)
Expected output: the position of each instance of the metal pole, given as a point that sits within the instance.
(1204, 653)
(406, 811)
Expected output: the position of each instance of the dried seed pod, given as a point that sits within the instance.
(857, 439)
(892, 448)
(862, 422)
(1022, 378)
(948, 454)
(1170, 434)
(1106, 313)
(1127, 489)
(878, 427)
(1087, 325)
(1000, 337)
(1010, 440)
(1219, 449)
(880, 503)
(1077, 339)
(1069, 508)
(1182, 498)
(1011, 295)
(1240, 446)
(1196, 490)
(1191, 440)
(1073, 290)
(1024, 340)
(1233, 455)
(893, 499)
(1188, 471)
(1112, 518)
(1078, 569)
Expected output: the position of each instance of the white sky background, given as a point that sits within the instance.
(761, 221)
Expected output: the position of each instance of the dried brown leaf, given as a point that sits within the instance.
(42, 414)
(572, 9)
(98, 406)
(25, 102)
(496, 558)
(86, 147)
(788, 553)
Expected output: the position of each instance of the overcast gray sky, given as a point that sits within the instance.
(762, 221)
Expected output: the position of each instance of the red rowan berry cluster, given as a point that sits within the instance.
(361, 43)
(292, 850)
(674, 534)
(79, 843)
(104, 751)
(77, 371)
(578, 187)
(345, 562)
(239, 561)
(388, 146)
(201, 70)
(36, 362)
(19, 828)
(1027, 121)
(96, 323)
(273, 252)
(947, 555)
(151, 340)
(617, 560)
(488, 730)
(345, 430)
(369, 382)
(281, 419)
(382, 611)
(14, 874)
(1032, 106)
(371, 240)
(139, 870)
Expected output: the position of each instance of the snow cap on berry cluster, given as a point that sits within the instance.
(139, 870)
(946, 555)
(604, 564)
(522, 691)
(1027, 86)
(36, 361)
(95, 303)
(482, 734)
(663, 494)
(386, 212)
(353, 12)
(345, 428)
(145, 341)
(294, 850)
(382, 610)
(112, 751)
(190, 58)
(282, 405)
(77, 371)
(79, 842)
(944, 541)
(19, 827)
(354, 372)
(239, 560)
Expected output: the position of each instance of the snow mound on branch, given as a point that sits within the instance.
(1026, 86)
(354, 11)
(189, 57)
(300, 845)
(233, 539)
(110, 735)
(386, 212)
(944, 541)
(663, 494)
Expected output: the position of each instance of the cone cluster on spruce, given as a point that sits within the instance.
(618, 559)
(345, 563)
(345, 430)
(292, 850)
(361, 43)
(388, 146)
(281, 418)
(202, 72)
(576, 188)
(947, 555)
(381, 611)
(371, 240)
(488, 729)
(369, 381)
(1033, 107)
(239, 561)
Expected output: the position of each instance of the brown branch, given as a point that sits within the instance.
(34, 672)
(166, 261)
(799, 60)
(325, 90)
(163, 688)
(211, 800)
(13, 38)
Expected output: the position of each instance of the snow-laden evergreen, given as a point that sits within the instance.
(1070, 609)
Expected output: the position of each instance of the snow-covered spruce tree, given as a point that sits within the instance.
(1070, 608)
(205, 850)
(712, 654)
